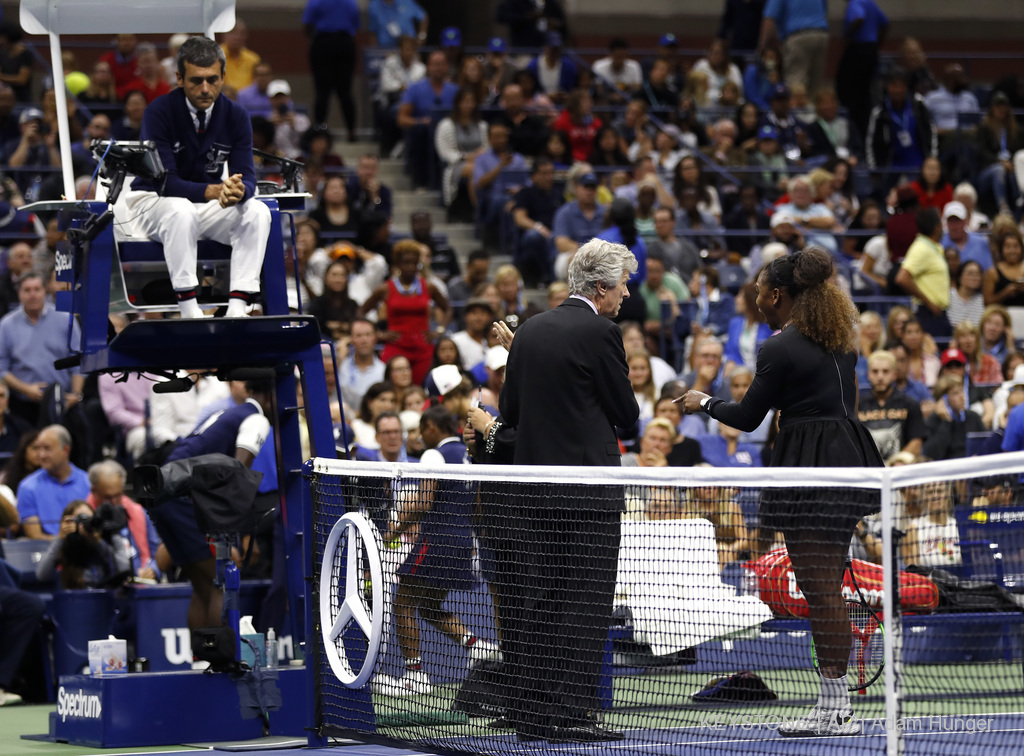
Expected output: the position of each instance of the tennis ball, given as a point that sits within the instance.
(76, 82)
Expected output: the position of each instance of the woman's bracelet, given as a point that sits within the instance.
(492, 431)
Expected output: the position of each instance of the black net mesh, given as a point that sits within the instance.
(655, 611)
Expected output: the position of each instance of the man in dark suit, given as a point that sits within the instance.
(566, 388)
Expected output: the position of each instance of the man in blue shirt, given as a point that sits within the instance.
(198, 133)
(332, 26)
(424, 103)
(31, 338)
(577, 222)
(390, 439)
(44, 494)
(362, 368)
(390, 19)
(954, 97)
(802, 25)
(709, 374)
(864, 30)
(969, 246)
(254, 98)
(489, 186)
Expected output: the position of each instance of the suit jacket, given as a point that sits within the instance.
(195, 160)
(567, 387)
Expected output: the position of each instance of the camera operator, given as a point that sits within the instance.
(89, 551)
(289, 125)
(238, 432)
(106, 484)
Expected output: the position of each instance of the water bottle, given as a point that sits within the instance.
(749, 586)
(232, 584)
(271, 652)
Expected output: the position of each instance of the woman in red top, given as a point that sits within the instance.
(931, 186)
(579, 123)
(407, 297)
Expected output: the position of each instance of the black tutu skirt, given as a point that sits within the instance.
(821, 442)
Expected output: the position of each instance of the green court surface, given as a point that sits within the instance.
(662, 700)
(16, 721)
(642, 702)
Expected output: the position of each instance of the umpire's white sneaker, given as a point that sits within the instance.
(237, 308)
(190, 309)
(412, 683)
(821, 721)
(482, 651)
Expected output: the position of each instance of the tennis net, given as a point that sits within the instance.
(498, 610)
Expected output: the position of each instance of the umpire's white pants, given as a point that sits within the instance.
(178, 224)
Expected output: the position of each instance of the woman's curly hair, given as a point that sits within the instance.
(821, 312)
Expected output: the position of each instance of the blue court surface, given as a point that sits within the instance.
(1000, 734)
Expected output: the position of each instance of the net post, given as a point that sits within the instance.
(892, 635)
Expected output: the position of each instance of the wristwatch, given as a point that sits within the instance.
(704, 403)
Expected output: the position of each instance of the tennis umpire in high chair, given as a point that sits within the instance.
(205, 143)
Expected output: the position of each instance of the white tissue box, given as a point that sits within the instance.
(108, 657)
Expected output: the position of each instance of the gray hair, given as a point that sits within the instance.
(797, 180)
(599, 262)
(144, 47)
(713, 341)
(62, 434)
(724, 123)
(29, 275)
(965, 189)
(201, 52)
(104, 468)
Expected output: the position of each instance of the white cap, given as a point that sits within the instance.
(278, 86)
(1018, 378)
(496, 358)
(442, 379)
(955, 209)
(782, 217)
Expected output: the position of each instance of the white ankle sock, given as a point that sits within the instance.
(834, 693)
(236, 308)
(190, 309)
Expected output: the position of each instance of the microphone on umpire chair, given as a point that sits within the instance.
(174, 386)
(291, 170)
(71, 361)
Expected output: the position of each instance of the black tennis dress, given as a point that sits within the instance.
(815, 392)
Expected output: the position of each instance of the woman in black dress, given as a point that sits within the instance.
(808, 372)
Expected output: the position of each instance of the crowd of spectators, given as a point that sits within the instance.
(707, 169)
